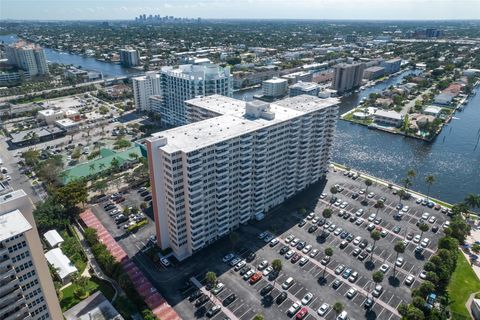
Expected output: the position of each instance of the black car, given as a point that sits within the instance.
(202, 300)
(251, 256)
(284, 250)
(282, 297)
(301, 245)
(419, 222)
(363, 244)
(108, 206)
(435, 229)
(336, 284)
(245, 270)
(368, 303)
(343, 235)
(324, 235)
(350, 237)
(229, 299)
(213, 311)
(362, 255)
(333, 200)
(352, 218)
(312, 229)
(194, 296)
(321, 222)
(121, 219)
(147, 198)
(355, 195)
(302, 223)
(273, 275)
(145, 193)
(267, 289)
(346, 215)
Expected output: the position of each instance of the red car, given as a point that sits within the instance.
(301, 314)
(295, 258)
(255, 278)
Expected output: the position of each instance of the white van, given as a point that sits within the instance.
(288, 283)
(343, 316)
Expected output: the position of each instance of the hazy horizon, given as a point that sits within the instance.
(379, 10)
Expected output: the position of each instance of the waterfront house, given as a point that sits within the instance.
(388, 118)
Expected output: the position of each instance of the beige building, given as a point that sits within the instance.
(347, 76)
(26, 287)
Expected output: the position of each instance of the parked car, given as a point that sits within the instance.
(267, 289)
(288, 283)
(213, 311)
(323, 309)
(228, 300)
(281, 297)
(351, 293)
(294, 308)
(301, 314)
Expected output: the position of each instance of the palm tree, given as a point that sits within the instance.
(333, 191)
(379, 205)
(411, 174)
(399, 247)
(377, 277)
(473, 200)
(211, 278)
(338, 307)
(429, 180)
(328, 253)
(423, 227)
(368, 183)
(375, 235)
(407, 183)
(401, 194)
(327, 214)
(91, 167)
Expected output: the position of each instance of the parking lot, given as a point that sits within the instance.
(311, 277)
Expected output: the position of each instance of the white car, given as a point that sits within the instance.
(344, 204)
(343, 316)
(247, 275)
(359, 221)
(359, 212)
(384, 268)
(315, 220)
(323, 195)
(263, 235)
(323, 309)
(274, 242)
(267, 271)
(310, 216)
(235, 261)
(289, 238)
(262, 265)
(351, 293)
(294, 242)
(432, 219)
(338, 231)
(400, 261)
(405, 208)
(218, 288)
(313, 253)
(425, 215)
(425, 242)
(307, 248)
(307, 298)
(372, 217)
(289, 254)
(294, 308)
(240, 265)
(357, 240)
(409, 280)
(417, 238)
(371, 195)
(446, 224)
(165, 262)
(423, 274)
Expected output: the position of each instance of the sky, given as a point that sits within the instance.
(237, 9)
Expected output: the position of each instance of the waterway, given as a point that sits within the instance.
(453, 157)
(108, 69)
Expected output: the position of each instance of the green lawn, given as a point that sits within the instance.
(94, 284)
(463, 283)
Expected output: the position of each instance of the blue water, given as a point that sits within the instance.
(453, 157)
(87, 63)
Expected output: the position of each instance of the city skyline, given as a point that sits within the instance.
(243, 9)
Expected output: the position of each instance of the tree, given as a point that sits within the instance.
(115, 164)
(377, 277)
(234, 237)
(401, 194)
(476, 248)
(429, 180)
(73, 193)
(459, 229)
(333, 191)
(473, 200)
(211, 278)
(50, 214)
(379, 205)
(411, 174)
(91, 167)
(328, 253)
(368, 183)
(375, 235)
(399, 247)
(147, 314)
(277, 265)
(338, 307)
(258, 317)
(423, 228)
(327, 214)
(76, 153)
(133, 155)
(100, 185)
(31, 157)
(407, 182)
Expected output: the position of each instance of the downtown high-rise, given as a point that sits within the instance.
(28, 57)
(234, 161)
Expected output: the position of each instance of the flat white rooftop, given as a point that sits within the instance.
(13, 223)
(275, 80)
(232, 121)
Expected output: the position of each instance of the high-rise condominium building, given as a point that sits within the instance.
(348, 76)
(234, 161)
(129, 57)
(187, 82)
(26, 287)
(29, 57)
(275, 87)
(144, 87)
